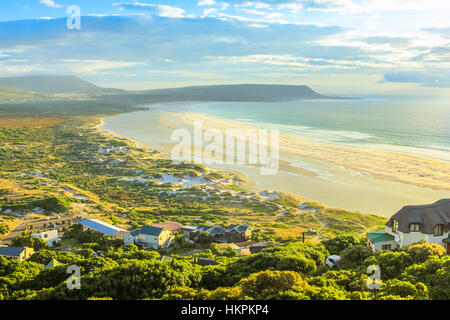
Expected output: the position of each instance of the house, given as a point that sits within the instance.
(214, 231)
(233, 233)
(149, 237)
(103, 227)
(51, 237)
(15, 253)
(238, 232)
(188, 231)
(411, 224)
(171, 226)
(52, 264)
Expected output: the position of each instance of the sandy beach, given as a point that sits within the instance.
(357, 179)
(391, 166)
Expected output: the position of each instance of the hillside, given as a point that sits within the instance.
(240, 92)
(49, 84)
(14, 93)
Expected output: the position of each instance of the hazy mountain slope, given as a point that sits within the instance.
(54, 84)
(253, 92)
(14, 93)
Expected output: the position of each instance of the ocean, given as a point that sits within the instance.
(420, 127)
(417, 127)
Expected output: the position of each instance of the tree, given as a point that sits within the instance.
(229, 252)
(421, 251)
(403, 289)
(337, 244)
(180, 293)
(30, 242)
(204, 238)
(393, 263)
(354, 256)
(4, 229)
(267, 284)
(233, 293)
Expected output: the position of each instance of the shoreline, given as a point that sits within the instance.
(305, 178)
(246, 182)
(386, 165)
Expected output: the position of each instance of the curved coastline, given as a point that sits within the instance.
(349, 188)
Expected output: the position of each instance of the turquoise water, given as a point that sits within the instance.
(413, 126)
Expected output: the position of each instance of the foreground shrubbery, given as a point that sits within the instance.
(293, 271)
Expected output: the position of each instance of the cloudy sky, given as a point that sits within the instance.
(335, 46)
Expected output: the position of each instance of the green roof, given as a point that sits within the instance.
(52, 264)
(447, 240)
(379, 236)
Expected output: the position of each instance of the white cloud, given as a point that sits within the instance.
(18, 69)
(159, 9)
(50, 3)
(187, 73)
(206, 3)
(293, 7)
(256, 5)
(97, 66)
(288, 62)
(257, 25)
(209, 11)
(351, 7)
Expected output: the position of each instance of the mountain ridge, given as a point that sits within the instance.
(67, 84)
(54, 84)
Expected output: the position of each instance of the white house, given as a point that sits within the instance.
(103, 227)
(430, 223)
(149, 237)
(51, 237)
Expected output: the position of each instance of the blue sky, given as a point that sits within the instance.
(334, 46)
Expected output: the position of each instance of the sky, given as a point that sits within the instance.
(335, 46)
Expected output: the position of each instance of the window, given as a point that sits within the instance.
(394, 226)
(414, 227)
(438, 230)
(386, 247)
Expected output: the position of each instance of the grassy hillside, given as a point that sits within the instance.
(14, 93)
(130, 182)
(54, 84)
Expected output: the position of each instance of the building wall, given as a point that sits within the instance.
(378, 245)
(155, 242)
(119, 235)
(48, 236)
(128, 239)
(408, 238)
(28, 253)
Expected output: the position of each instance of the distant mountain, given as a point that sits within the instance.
(240, 92)
(55, 84)
(50, 84)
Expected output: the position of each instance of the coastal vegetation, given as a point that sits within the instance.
(72, 167)
(294, 271)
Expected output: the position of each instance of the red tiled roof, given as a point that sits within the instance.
(169, 225)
